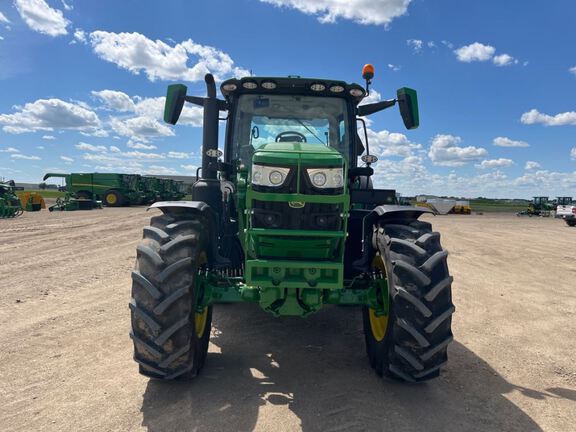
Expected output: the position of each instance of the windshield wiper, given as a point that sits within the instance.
(315, 136)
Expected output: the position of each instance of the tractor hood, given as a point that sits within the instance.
(288, 153)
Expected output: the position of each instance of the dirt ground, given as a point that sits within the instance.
(66, 358)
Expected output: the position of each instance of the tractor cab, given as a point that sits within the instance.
(540, 201)
(564, 200)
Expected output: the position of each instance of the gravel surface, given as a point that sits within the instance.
(66, 358)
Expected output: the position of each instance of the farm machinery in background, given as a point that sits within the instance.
(114, 190)
(70, 203)
(444, 206)
(540, 206)
(286, 218)
(10, 205)
(87, 190)
(32, 201)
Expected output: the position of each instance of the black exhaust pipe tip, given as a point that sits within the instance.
(210, 85)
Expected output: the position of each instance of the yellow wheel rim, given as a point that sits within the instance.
(201, 318)
(200, 322)
(378, 324)
(111, 199)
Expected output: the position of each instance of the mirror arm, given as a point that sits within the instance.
(364, 110)
(197, 100)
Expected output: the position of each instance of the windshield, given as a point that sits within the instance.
(289, 118)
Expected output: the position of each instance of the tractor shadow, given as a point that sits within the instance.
(289, 374)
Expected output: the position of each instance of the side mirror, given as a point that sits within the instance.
(408, 103)
(175, 98)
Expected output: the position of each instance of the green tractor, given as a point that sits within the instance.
(10, 205)
(288, 219)
(540, 206)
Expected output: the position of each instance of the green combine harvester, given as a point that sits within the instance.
(287, 219)
(114, 190)
(10, 205)
(149, 189)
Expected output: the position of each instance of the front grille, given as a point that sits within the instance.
(313, 216)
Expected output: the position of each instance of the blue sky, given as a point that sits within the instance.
(81, 83)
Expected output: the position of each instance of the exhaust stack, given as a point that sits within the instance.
(210, 133)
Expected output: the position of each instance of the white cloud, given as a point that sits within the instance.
(99, 157)
(445, 151)
(21, 156)
(504, 60)
(374, 96)
(160, 170)
(1, 38)
(415, 44)
(178, 155)
(67, 6)
(67, 159)
(534, 116)
(530, 165)
(386, 144)
(475, 52)
(496, 163)
(448, 44)
(190, 167)
(49, 114)
(158, 60)
(148, 107)
(3, 19)
(154, 107)
(138, 145)
(48, 137)
(507, 142)
(140, 155)
(115, 100)
(80, 36)
(9, 150)
(98, 133)
(42, 18)
(114, 149)
(573, 153)
(140, 127)
(547, 182)
(360, 11)
(572, 70)
(92, 148)
(395, 68)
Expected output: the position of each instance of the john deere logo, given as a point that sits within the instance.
(296, 204)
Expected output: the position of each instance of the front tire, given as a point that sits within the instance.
(417, 331)
(170, 334)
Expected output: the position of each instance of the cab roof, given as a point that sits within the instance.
(293, 85)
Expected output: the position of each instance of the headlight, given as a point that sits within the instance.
(326, 178)
(268, 175)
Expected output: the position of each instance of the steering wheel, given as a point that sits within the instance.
(292, 136)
